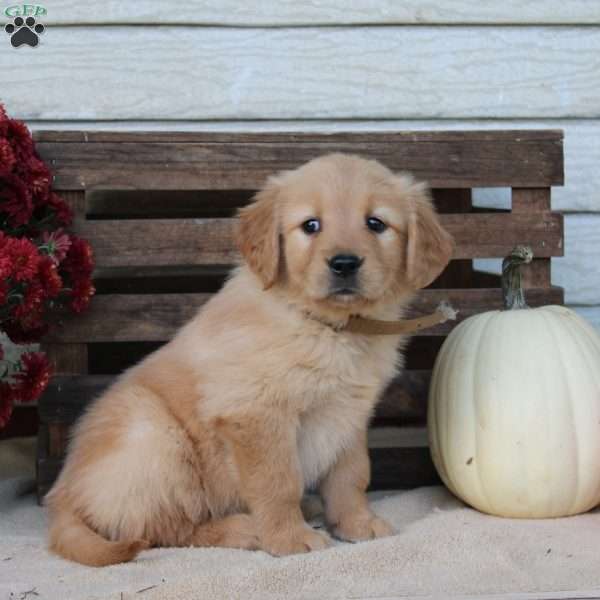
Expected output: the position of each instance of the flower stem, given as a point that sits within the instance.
(512, 292)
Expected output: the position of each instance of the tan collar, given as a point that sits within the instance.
(366, 326)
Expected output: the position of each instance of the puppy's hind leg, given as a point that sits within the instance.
(234, 531)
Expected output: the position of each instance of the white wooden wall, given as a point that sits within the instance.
(333, 64)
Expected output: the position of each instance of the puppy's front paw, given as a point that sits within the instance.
(358, 528)
(296, 541)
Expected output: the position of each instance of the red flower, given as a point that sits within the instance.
(5, 258)
(38, 179)
(7, 157)
(38, 261)
(64, 214)
(15, 200)
(21, 141)
(5, 265)
(25, 259)
(79, 259)
(31, 305)
(33, 330)
(49, 278)
(34, 377)
(58, 243)
(81, 294)
(3, 121)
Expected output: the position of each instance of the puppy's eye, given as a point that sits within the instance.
(376, 225)
(311, 226)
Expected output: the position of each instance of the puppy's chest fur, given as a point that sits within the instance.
(339, 379)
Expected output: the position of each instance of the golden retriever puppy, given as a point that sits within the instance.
(212, 440)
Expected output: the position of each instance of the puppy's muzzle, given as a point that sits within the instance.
(345, 265)
(344, 268)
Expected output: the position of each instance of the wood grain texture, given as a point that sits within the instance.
(530, 199)
(307, 73)
(156, 317)
(71, 359)
(263, 13)
(163, 242)
(538, 272)
(581, 148)
(184, 161)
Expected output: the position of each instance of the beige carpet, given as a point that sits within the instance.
(442, 549)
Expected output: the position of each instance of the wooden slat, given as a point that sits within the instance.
(533, 200)
(161, 242)
(265, 13)
(164, 242)
(136, 318)
(67, 396)
(530, 200)
(156, 317)
(69, 358)
(581, 148)
(310, 73)
(193, 161)
(64, 358)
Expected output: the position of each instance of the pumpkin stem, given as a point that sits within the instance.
(514, 298)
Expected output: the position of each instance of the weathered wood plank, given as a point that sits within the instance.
(530, 199)
(64, 358)
(524, 200)
(307, 73)
(156, 317)
(193, 161)
(582, 151)
(163, 242)
(67, 358)
(263, 13)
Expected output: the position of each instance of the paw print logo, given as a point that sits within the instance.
(24, 32)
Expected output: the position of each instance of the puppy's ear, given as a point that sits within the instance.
(429, 246)
(258, 234)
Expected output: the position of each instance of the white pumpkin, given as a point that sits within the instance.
(514, 408)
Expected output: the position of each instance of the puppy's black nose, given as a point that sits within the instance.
(345, 265)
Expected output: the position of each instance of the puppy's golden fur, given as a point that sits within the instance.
(211, 440)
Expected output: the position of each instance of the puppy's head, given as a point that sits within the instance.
(342, 233)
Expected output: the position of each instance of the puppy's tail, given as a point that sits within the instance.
(71, 538)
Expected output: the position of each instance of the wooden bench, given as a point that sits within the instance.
(158, 209)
